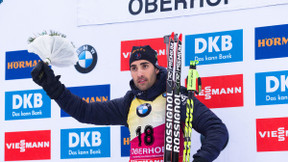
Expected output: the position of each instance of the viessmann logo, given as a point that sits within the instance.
(156, 43)
(272, 134)
(222, 91)
(214, 48)
(271, 88)
(97, 93)
(271, 42)
(19, 64)
(30, 145)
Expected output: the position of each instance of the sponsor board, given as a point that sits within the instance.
(272, 134)
(90, 12)
(28, 145)
(156, 43)
(222, 91)
(29, 104)
(125, 142)
(271, 88)
(271, 42)
(85, 143)
(98, 93)
(19, 64)
(214, 48)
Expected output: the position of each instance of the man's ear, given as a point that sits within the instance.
(157, 70)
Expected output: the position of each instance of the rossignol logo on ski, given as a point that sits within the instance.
(173, 99)
(169, 124)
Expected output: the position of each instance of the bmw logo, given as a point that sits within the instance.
(87, 59)
(143, 110)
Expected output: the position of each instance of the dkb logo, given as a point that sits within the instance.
(271, 88)
(213, 48)
(85, 143)
(27, 105)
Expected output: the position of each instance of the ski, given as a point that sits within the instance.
(173, 100)
(192, 88)
(168, 139)
(177, 101)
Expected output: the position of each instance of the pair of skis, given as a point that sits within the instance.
(173, 101)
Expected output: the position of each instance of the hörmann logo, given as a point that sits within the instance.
(214, 48)
(271, 42)
(85, 143)
(272, 134)
(29, 145)
(32, 104)
(156, 43)
(139, 7)
(125, 142)
(271, 88)
(98, 93)
(222, 91)
(19, 64)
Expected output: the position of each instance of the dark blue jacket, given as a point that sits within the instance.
(115, 112)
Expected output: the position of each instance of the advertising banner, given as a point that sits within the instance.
(93, 12)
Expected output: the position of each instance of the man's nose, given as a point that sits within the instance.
(140, 72)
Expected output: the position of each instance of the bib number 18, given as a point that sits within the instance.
(148, 135)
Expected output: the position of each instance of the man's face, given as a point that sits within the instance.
(143, 74)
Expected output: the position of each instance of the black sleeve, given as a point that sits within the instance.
(214, 130)
(113, 112)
